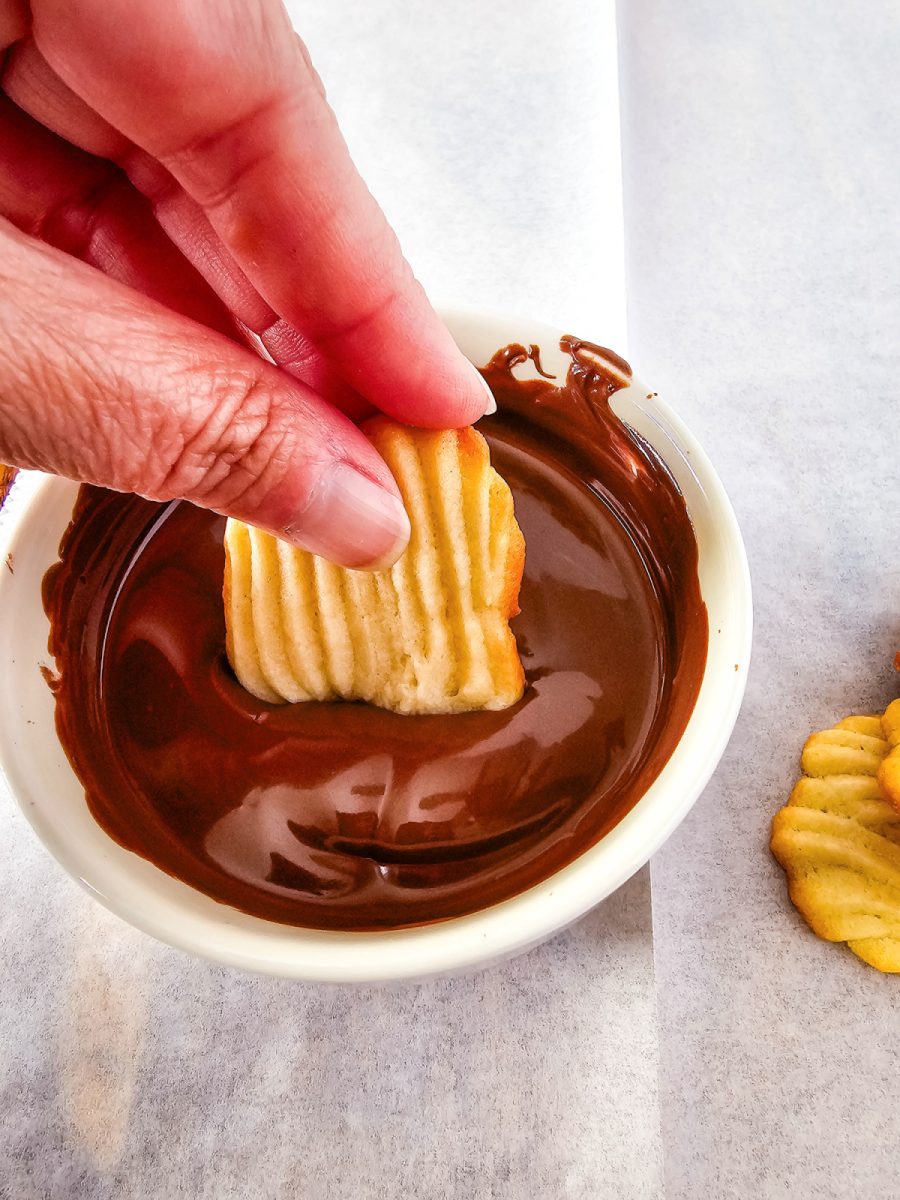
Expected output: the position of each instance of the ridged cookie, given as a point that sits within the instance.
(889, 771)
(430, 635)
(838, 839)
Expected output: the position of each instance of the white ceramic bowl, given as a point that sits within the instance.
(40, 778)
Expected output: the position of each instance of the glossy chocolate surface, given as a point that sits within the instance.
(344, 816)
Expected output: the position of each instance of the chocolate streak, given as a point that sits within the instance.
(7, 475)
(343, 816)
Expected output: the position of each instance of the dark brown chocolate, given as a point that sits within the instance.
(344, 816)
(7, 475)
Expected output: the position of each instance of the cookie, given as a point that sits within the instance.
(838, 840)
(889, 770)
(430, 635)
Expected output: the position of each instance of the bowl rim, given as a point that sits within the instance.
(224, 935)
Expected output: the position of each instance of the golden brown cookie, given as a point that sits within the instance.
(838, 839)
(889, 771)
(430, 635)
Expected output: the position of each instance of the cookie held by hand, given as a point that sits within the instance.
(838, 839)
(429, 635)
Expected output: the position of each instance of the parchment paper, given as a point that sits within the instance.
(762, 193)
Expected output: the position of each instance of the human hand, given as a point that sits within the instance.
(186, 151)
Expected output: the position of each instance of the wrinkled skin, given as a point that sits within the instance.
(172, 181)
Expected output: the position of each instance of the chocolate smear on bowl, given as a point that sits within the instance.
(348, 817)
(7, 475)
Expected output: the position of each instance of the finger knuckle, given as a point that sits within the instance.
(231, 446)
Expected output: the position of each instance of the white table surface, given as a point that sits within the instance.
(689, 1038)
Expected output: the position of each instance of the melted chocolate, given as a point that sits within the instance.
(7, 475)
(344, 816)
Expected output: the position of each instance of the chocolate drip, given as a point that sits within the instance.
(343, 816)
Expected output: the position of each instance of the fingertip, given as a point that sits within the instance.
(450, 396)
(490, 402)
(471, 399)
(350, 519)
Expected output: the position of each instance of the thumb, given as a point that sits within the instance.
(104, 386)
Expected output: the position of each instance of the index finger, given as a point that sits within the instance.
(225, 97)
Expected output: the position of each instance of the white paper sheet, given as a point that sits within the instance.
(762, 192)
(489, 133)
